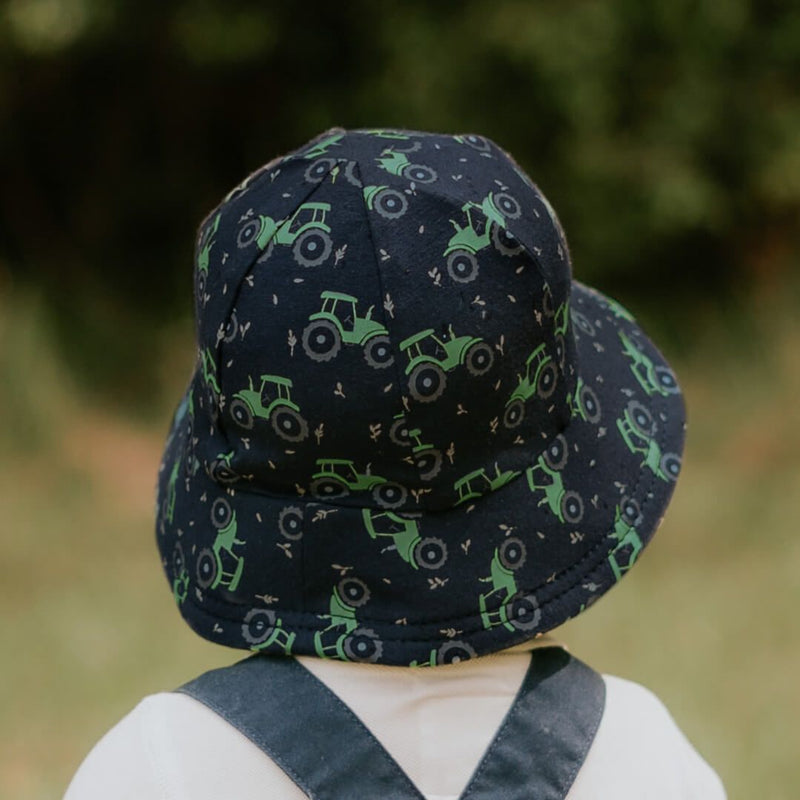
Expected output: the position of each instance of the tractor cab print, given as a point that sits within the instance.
(338, 477)
(429, 552)
(504, 604)
(540, 378)
(479, 231)
(653, 379)
(638, 429)
(338, 322)
(431, 356)
(219, 565)
(272, 401)
(306, 232)
(343, 638)
(479, 482)
(545, 477)
(262, 628)
(628, 543)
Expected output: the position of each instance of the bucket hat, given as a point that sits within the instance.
(410, 437)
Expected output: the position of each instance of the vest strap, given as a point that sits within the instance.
(279, 705)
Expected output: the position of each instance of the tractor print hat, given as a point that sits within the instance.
(410, 438)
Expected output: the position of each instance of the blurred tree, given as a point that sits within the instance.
(664, 131)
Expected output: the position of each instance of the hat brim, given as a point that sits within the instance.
(577, 519)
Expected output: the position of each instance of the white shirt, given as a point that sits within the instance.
(436, 723)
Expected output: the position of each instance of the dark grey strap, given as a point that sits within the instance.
(329, 753)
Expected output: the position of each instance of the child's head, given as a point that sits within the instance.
(410, 436)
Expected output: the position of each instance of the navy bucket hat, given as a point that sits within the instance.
(410, 438)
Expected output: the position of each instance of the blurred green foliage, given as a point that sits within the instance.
(664, 131)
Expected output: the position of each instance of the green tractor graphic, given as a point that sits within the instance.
(219, 564)
(429, 552)
(540, 378)
(168, 506)
(452, 652)
(584, 403)
(638, 429)
(271, 401)
(426, 370)
(653, 379)
(322, 146)
(262, 628)
(306, 232)
(478, 482)
(426, 458)
(338, 322)
(395, 161)
(221, 469)
(343, 638)
(389, 203)
(180, 581)
(338, 477)
(209, 370)
(545, 476)
(628, 544)
(204, 255)
(516, 611)
(489, 228)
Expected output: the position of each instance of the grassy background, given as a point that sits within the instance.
(708, 620)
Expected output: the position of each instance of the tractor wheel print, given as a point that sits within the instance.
(507, 205)
(630, 511)
(547, 380)
(389, 494)
(390, 203)
(221, 513)
(512, 553)
(328, 489)
(231, 328)
(582, 323)
(241, 414)
(641, 419)
(514, 413)
(462, 266)
(477, 142)
(288, 424)
(430, 552)
(671, 465)
(249, 232)
(419, 173)
(258, 625)
(321, 340)
(426, 382)
(454, 653)
(312, 248)
(206, 568)
(290, 523)
(524, 612)
(429, 464)
(221, 472)
(363, 645)
(318, 169)
(398, 432)
(378, 352)
(588, 401)
(353, 591)
(555, 454)
(479, 359)
(505, 242)
(665, 380)
(571, 507)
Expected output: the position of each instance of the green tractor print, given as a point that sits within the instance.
(395, 161)
(626, 516)
(517, 611)
(545, 476)
(425, 457)
(180, 581)
(477, 234)
(337, 323)
(638, 428)
(219, 565)
(221, 469)
(168, 507)
(212, 394)
(262, 628)
(429, 552)
(305, 231)
(584, 403)
(479, 482)
(343, 638)
(322, 146)
(387, 202)
(337, 477)
(272, 401)
(452, 652)
(204, 255)
(540, 379)
(430, 357)
(653, 379)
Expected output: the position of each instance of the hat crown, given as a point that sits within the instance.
(383, 322)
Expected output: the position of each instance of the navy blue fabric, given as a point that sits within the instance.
(410, 436)
(329, 753)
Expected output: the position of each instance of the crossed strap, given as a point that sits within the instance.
(331, 755)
